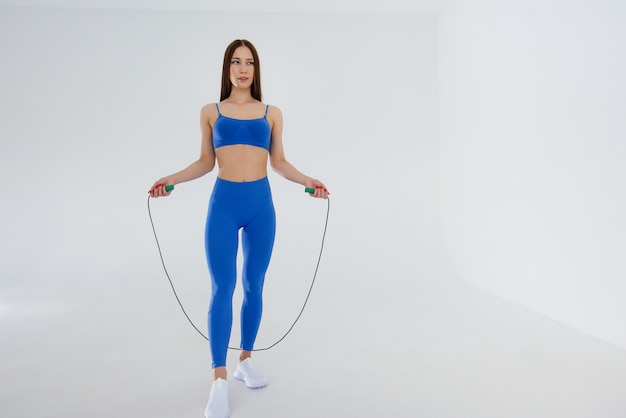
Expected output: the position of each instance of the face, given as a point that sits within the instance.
(242, 68)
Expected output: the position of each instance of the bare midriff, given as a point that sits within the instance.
(241, 163)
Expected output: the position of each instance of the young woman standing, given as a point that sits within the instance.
(240, 133)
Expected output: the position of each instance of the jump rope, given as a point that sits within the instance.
(307, 190)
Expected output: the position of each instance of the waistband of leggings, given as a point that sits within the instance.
(244, 188)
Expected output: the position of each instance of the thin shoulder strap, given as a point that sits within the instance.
(218, 109)
(266, 109)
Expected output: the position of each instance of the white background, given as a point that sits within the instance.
(98, 105)
(402, 117)
(533, 173)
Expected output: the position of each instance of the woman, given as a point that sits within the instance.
(241, 133)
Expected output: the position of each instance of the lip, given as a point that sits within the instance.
(242, 79)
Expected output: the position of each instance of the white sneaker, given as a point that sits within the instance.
(248, 374)
(218, 400)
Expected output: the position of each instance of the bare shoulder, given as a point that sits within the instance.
(208, 112)
(209, 109)
(274, 113)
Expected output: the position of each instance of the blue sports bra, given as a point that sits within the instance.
(231, 131)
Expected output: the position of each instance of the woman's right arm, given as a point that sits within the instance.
(198, 168)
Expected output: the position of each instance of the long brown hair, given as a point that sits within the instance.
(228, 55)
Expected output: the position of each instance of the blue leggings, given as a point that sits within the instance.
(234, 206)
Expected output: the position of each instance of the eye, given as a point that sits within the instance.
(234, 62)
(250, 63)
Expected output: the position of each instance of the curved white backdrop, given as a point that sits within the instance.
(533, 155)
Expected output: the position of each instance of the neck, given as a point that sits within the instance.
(241, 95)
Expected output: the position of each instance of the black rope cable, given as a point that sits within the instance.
(303, 305)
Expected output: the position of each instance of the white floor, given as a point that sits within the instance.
(429, 350)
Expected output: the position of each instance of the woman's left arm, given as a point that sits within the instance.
(280, 164)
